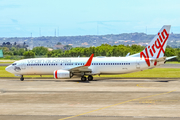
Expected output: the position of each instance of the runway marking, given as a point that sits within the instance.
(116, 104)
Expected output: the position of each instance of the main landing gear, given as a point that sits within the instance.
(83, 78)
(90, 78)
(22, 78)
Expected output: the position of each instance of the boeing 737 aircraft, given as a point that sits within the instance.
(150, 57)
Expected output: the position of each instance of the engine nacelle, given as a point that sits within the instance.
(62, 74)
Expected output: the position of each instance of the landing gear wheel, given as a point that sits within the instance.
(90, 77)
(83, 78)
(22, 78)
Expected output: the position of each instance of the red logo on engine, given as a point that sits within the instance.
(158, 45)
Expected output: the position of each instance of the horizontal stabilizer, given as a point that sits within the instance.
(168, 58)
(159, 59)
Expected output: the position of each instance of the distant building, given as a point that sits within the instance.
(1, 54)
(85, 43)
(50, 49)
(58, 46)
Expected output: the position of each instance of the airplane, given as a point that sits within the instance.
(62, 68)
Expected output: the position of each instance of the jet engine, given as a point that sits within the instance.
(62, 74)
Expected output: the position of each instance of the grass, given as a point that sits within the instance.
(6, 62)
(172, 62)
(151, 73)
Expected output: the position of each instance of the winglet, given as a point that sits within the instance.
(89, 60)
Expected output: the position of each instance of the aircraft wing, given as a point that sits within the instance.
(83, 68)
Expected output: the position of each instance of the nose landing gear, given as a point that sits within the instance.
(22, 78)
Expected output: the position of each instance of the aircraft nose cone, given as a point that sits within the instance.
(8, 69)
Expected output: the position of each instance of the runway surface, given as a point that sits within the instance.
(102, 99)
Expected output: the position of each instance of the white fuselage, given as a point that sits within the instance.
(99, 65)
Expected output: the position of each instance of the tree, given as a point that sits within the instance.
(55, 53)
(40, 50)
(169, 52)
(8, 43)
(67, 47)
(58, 43)
(15, 43)
(178, 56)
(29, 54)
(21, 51)
(3, 44)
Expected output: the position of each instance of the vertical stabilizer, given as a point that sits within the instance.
(156, 48)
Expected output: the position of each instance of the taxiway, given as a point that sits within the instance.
(102, 99)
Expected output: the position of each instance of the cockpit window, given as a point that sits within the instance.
(14, 64)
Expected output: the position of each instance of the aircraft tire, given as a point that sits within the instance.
(83, 78)
(22, 79)
(90, 77)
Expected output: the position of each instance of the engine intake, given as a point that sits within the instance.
(62, 74)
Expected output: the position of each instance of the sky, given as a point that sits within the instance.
(20, 18)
